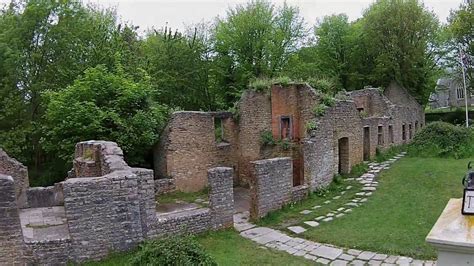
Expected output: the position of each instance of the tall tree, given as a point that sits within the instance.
(255, 40)
(45, 45)
(398, 37)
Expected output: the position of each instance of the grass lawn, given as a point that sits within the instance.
(227, 248)
(397, 218)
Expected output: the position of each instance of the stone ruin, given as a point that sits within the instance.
(103, 206)
(107, 206)
(308, 149)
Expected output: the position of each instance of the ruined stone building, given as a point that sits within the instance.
(319, 146)
(276, 149)
(104, 206)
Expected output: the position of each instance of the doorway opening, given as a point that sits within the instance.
(343, 145)
(366, 143)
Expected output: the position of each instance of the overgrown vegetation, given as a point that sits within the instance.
(311, 125)
(266, 138)
(381, 156)
(47, 47)
(440, 139)
(326, 102)
(172, 251)
(179, 196)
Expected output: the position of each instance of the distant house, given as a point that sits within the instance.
(449, 93)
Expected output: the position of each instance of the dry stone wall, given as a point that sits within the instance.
(271, 185)
(188, 147)
(45, 196)
(103, 214)
(13, 250)
(188, 222)
(221, 197)
(19, 173)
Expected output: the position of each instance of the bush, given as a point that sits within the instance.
(319, 109)
(260, 84)
(441, 139)
(266, 138)
(103, 105)
(172, 251)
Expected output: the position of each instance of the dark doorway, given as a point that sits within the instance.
(366, 143)
(343, 145)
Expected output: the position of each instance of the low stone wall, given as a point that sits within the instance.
(270, 186)
(299, 193)
(52, 252)
(13, 250)
(164, 185)
(221, 197)
(45, 196)
(19, 173)
(97, 158)
(192, 222)
(103, 214)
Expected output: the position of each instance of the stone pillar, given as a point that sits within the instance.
(13, 250)
(19, 173)
(221, 197)
(270, 186)
(146, 192)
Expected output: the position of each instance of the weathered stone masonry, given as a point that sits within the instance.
(349, 132)
(108, 213)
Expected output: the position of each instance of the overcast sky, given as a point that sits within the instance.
(177, 13)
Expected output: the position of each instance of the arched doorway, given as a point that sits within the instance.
(343, 151)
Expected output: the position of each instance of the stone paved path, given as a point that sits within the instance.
(323, 253)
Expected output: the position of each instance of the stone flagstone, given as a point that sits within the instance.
(312, 223)
(296, 229)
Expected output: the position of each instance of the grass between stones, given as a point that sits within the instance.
(397, 217)
(227, 248)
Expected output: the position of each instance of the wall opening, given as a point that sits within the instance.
(343, 148)
(390, 133)
(285, 127)
(380, 135)
(218, 130)
(298, 168)
(410, 133)
(416, 126)
(404, 133)
(366, 143)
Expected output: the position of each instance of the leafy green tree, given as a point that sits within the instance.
(45, 45)
(180, 66)
(254, 41)
(460, 27)
(398, 37)
(103, 105)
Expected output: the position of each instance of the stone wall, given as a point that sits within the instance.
(188, 147)
(19, 173)
(13, 250)
(45, 196)
(171, 224)
(52, 252)
(146, 196)
(255, 117)
(321, 151)
(271, 185)
(103, 214)
(97, 158)
(299, 193)
(221, 197)
(164, 185)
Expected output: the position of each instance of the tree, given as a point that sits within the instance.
(460, 27)
(103, 105)
(179, 66)
(45, 45)
(255, 40)
(398, 36)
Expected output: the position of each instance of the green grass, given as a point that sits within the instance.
(189, 197)
(227, 248)
(397, 218)
(290, 214)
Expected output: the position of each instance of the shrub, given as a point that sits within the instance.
(328, 101)
(260, 84)
(266, 138)
(283, 81)
(381, 156)
(311, 125)
(319, 109)
(441, 139)
(324, 85)
(172, 251)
